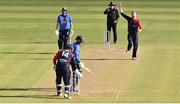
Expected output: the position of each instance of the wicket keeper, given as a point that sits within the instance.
(64, 27)
(112, 19)
(134, 26)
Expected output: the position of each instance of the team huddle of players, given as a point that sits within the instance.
(68, 54)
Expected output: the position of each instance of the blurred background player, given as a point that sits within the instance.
(64, 27)
(76, 46)
(62, 61)
(112, 19)
(134, 26)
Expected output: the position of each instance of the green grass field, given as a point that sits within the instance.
(28, 43)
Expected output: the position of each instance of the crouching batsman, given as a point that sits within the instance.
(62, 60)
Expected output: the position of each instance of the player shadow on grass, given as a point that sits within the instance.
(32, 96)
(26, 53)
(27, 89)
(105, 59)
(27, 93)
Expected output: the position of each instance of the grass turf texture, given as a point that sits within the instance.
(28, 43)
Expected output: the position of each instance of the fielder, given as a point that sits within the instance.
(62, 60)
(76, 52)
(64, 27)
(134, 26)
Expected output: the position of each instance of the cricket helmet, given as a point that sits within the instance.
(64, 9)
(79, 39)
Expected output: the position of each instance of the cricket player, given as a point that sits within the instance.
(134, 26)
(112, 19)
(76, 51)
(64, 26)
(62, 61)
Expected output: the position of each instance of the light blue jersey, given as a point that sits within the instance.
(76, 52)
(64, 22)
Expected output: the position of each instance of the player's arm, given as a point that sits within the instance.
(71, 24)
(122, 13)
(76, 55)
(77, 59)
(106, 11)
(57, 23)
(126, 17)
(73, 64)
(75, 67)
(117, 16)
(56, 57)
(71, 27)
(120, 8)
(140, 26)
(57, 26)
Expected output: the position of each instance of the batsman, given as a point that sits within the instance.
(76, 45)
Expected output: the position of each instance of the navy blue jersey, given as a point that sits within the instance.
(133, 25)
(64, 58)
(112, 15)
(65, 55)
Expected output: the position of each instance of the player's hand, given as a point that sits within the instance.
(54, 67)
(139, 30)
(115, 21)
(80, 75)
(81, 65)
(56, 32)
(108, 9)
(120, 5)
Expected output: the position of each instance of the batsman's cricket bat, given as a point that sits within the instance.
(85, 68)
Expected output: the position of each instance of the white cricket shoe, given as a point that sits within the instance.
(59, 94)
(134, 58)
(127, 51)
(66, 95)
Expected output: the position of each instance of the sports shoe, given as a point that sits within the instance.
(59, 94)
(134, 58)
(76, 90)
(127, 51)
(66, 95)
